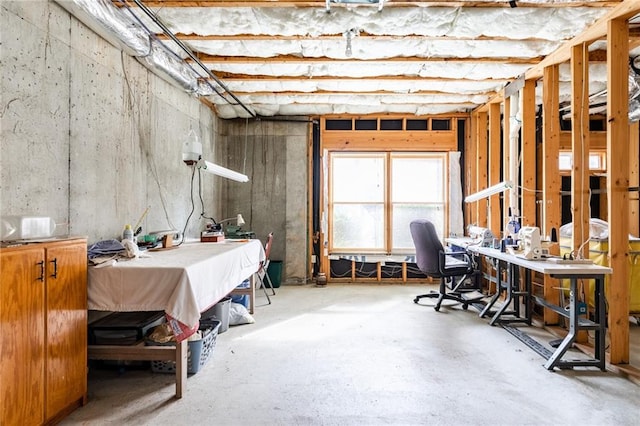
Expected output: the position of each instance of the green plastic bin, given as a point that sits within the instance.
(275, 272)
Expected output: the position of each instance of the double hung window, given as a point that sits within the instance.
(373, 196)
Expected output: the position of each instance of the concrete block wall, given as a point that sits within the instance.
(91, 138)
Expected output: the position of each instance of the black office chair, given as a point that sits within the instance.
(451, 267)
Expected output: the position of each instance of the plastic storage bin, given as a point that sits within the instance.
(219, 311)
(199, 351)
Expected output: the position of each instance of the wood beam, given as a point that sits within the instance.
(623, 10)
(551, 184)
(209, 59)
(364, 93)
(617, 188)
(634, 178)
(551, 201)
(580, 149)
(481, 166)
(506, 159)
(495, 218)
(471, 171)
(528, 154)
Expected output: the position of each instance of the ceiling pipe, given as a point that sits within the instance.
(134, 39)
(188, 51)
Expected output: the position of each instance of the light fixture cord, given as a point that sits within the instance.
(246, 136)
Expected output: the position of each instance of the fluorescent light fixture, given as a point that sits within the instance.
(239, 220)
(221, 171)
(492, 190)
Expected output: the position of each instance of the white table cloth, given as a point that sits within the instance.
(183, 281)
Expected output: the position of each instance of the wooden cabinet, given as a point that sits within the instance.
(43, 331)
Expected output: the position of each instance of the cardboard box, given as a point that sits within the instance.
(211, 237)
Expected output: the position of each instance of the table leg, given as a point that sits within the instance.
(509, 298)
(181, 367)
(498, 292)
(601, 319)
(573, 328)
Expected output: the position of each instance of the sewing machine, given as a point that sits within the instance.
(482, 236)
(532, 248)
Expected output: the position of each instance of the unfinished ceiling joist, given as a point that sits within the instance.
(252, 42)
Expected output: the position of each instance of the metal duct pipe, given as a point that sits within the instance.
(634, 92)
(188, 51)
(124, 32)
(111, 24)
(172, 67)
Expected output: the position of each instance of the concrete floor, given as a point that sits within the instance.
(363, 355)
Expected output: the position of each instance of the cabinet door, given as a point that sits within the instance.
(22, 334)
(66, 327)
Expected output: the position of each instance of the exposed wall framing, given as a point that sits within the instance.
(621, 153)
(383, 134)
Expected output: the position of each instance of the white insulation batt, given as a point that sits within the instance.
(417, 59)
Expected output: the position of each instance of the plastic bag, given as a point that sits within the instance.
(238, 315)
(598, 229)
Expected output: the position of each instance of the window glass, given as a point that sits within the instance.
(417, 179)
(403, 214)
(357, 178)
(371, 210)
(358, 226)
(565, 161)
(595, 162)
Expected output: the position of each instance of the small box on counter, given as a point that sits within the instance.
(211, 237)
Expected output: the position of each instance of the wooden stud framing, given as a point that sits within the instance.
(550, 146)
(380, 141)
(495, 219)
(481, 166)
(506, 158)
(528, 165)
(617, 188)
(634, 178)
(551, 203)
(470, 171)
(580, 149)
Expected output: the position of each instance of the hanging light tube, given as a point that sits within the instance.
(495, 189)
(239, 220)
(221, 171)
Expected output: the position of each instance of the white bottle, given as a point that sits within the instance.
(127, 234)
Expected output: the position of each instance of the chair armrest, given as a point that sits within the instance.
(454, 261)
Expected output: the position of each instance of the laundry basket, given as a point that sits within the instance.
(199, 351)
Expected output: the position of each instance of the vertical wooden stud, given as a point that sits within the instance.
(528, 167)
(551, 203)
(495, 218)
(470, 172)
(580, 148)
(481, 166)
(618, 187)
(634, 178)
(506, 159)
